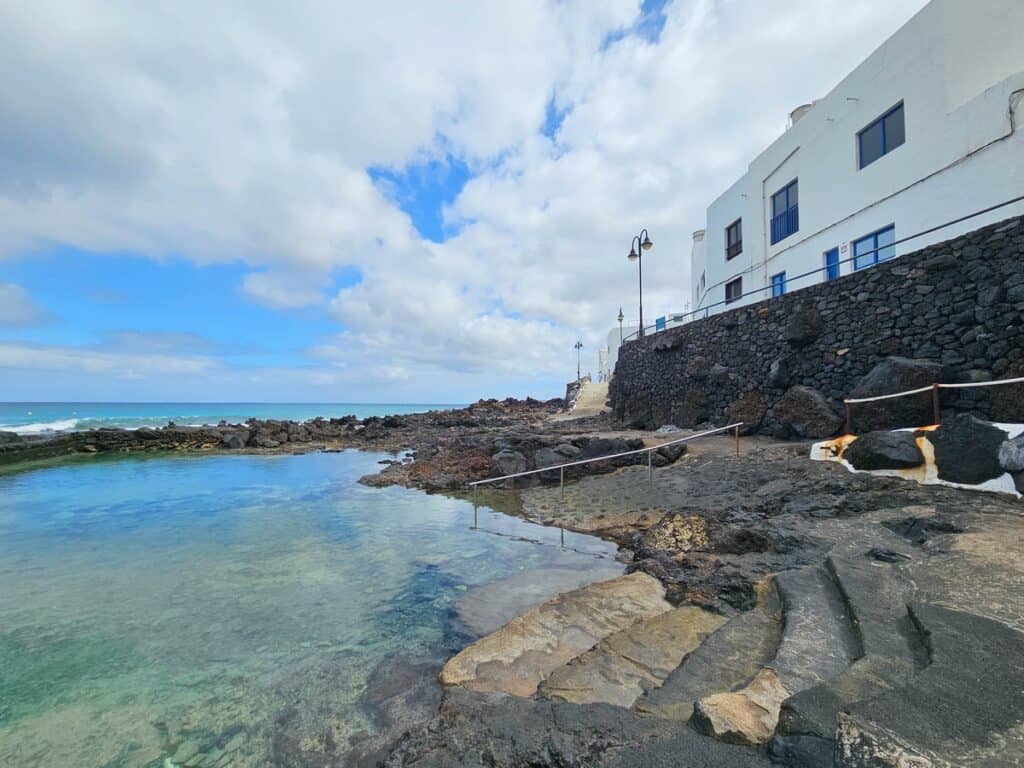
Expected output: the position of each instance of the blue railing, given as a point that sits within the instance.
(672, 321)
(785, 224)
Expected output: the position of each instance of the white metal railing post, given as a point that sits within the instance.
(650, 466)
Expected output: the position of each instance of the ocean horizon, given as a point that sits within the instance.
(40, 418)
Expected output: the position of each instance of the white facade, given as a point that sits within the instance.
(608, 355)
(957, 69)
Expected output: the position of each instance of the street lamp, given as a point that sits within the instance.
(640, 244)
(578, 346)
(621, 318)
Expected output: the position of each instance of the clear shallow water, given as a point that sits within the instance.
(41, 418)
(149, 604)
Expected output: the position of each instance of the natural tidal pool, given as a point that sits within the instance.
(206, 610)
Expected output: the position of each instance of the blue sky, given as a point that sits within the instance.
(330, 203)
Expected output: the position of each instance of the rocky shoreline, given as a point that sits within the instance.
(781, 610)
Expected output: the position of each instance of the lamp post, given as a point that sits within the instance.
(621, 318)
(578, 346)
(640, 244)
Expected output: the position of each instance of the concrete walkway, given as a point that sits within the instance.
(589, 403)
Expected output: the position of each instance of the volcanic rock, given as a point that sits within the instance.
(884, 450)
(804, 412)
(967, 450)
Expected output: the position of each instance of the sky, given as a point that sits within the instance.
(372, 202)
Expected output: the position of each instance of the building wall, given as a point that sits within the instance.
(960, 75)
(959, 303)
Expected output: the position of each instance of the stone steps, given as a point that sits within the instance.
(634, 660)
(889, 653)
(818, 643)
(725, 661)
(518, 656)
(965, 708)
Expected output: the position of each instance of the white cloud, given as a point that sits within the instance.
(19, 310)
(245, 130)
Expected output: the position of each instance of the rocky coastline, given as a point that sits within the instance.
(780, 610)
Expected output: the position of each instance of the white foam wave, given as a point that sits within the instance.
(42, 427)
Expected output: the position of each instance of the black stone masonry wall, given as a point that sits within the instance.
(951, 312)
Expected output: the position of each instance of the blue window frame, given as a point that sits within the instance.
(785, 212)
(882, 136)
(779, 284)
(873, 248)
(832, 264)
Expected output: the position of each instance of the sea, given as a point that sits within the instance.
(48, 418)
(236, 610)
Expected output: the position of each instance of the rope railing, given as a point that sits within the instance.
(649, 450)
(933, 388)
(680, 318)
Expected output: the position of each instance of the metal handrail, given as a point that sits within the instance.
(933, 388)
(649, 450)
(679, 317)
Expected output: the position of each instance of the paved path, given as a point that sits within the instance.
(589, 403)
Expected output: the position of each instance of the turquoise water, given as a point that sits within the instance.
(42, 418)
(159, 606)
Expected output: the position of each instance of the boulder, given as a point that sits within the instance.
(1011, 454)
(1006, 403)
(896, 374)
(884, 450)
(804, 327)
(507, 462)
(691, 409)
(967, 450)
(235, 440)
(749, 409)
(804, 412)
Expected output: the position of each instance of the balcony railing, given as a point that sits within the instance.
(785, 224)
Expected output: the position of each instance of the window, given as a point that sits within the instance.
(832, 264)
(703, 282)
(733, 290)
(785, 213)
(882, 136)
(874, 248)
(778, 284)
(734, 239)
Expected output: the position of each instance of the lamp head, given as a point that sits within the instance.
(633, 256)
(646, 244)
(621, 318)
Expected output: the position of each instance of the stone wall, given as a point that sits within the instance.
(950, 312)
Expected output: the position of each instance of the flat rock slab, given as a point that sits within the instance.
(487, 607)
(626, 664)
(884, 450)
(517, 657)
(727, 660)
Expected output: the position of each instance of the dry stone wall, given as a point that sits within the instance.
(951, 312)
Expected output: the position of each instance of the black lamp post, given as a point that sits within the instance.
(621, 318)
(578, 346)
(640, 244)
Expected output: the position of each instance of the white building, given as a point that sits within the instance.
(928, 129)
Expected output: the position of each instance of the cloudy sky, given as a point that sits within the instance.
(371, 202)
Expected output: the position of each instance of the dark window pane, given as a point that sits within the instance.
(895, 133)
(871, 144)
